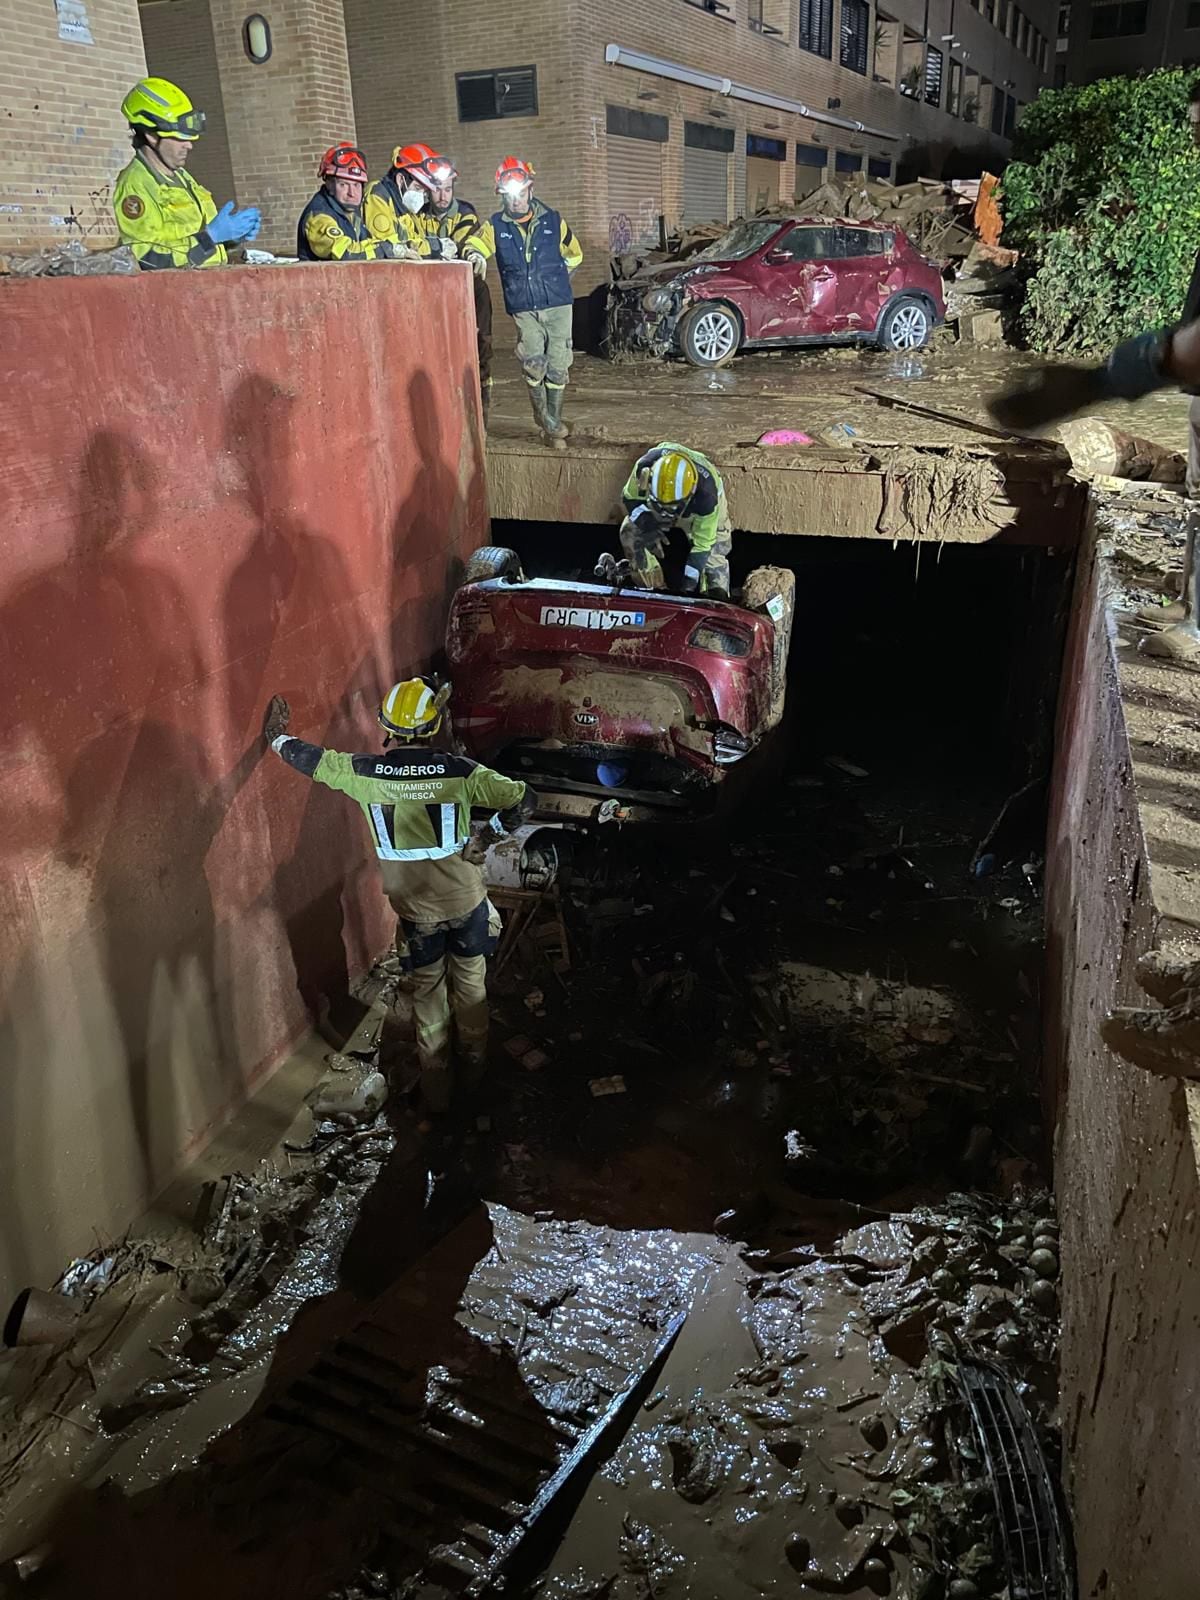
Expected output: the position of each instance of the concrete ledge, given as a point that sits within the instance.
(1025, 496)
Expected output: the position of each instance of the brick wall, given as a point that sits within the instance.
(566, 140)
(283, 114)
(62, 139)
(179, 45)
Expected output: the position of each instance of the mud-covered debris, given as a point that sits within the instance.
(352, 1094)
(574, 1399)
(646, 1554)
(701, 1457)
(601, 1087)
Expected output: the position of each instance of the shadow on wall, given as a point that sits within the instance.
(151, 876)
(107, 821)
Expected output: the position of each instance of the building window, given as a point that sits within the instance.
(1060, 74)
(487, 96)
(997, 123)
(954, 98)
(912, 64)
(1064, 21)
(1011, 109)
(856, 23)
(816, 27)
(718, 8)
(1123, 20)
(1002, 15)
(812, 155)
(970, 104)
(847, 160)
(887, 49)
(766, 17)
(880, 167)
(933, 77)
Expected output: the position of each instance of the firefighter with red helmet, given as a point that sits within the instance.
(415, 201)
(536, 254)
(332, 226)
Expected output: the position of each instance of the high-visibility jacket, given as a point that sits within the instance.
(418, 805)
(328, 232)
(458, 222)
(387, 218)
(164, 220)
(707, 513)
(535, 258)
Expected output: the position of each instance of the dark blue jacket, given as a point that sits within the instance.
(533, 274)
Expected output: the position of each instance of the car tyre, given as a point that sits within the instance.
(493, 561)
(764, 590)
(907, 325)
(710, 334)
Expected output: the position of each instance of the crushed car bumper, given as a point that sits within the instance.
(642, 320)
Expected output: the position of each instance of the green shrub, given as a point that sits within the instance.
(1102, 198)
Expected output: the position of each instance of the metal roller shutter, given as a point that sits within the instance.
(705, 185)
(635, 192)
(762, 184)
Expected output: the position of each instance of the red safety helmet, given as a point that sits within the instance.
(513, 167)
(343, 161)
(424, 164)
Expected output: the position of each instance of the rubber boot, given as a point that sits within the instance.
(557, 428)
(537, 401)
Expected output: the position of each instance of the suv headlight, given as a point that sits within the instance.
(657, 300)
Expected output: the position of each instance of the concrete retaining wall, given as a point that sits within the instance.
(216, 486)
(1126, 1143)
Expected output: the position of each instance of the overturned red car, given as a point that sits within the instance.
(616, 701)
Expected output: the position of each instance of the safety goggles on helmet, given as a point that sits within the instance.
(513, 175)
(162, 107)
(343, 161)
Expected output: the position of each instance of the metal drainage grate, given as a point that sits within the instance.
(1037, 1551)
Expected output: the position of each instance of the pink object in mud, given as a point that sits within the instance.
(784, 436)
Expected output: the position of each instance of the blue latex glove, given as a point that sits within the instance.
(231, 227)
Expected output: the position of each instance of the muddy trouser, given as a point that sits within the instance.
(544, 345)
(708, 570)
(448, 962)
(483, 330)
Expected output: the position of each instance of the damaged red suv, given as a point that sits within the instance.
(769, 283)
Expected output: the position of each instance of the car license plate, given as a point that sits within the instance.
(582, 617)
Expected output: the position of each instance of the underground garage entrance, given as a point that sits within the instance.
(740, 1274)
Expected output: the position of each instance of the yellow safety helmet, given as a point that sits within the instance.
(413, 709)
(673, 479)
(163, 108)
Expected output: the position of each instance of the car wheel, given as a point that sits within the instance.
(710, 335)
(493, 561)
(772, 590)
(906, 326)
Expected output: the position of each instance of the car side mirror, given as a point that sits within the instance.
(778, 258)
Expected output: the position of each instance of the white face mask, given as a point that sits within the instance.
(412, 199)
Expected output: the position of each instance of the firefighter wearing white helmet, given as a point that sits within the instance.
(676, 486)
(163, 214)
(417, 797)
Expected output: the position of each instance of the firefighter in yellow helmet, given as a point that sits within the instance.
(675, 486)
(163, 214)
(417, 797)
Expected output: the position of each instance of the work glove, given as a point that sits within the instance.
(277, 717)
(1051, 394)
(478, 264)
(232, 227)
(449, 250)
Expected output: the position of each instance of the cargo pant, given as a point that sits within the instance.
(448, 963)
(544, 345)
(704, 571)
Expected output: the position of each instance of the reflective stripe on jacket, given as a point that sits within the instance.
(707, 511)
(327, 232)
(387, 218)
(164, 220)
(417, 802)
(535, 259)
